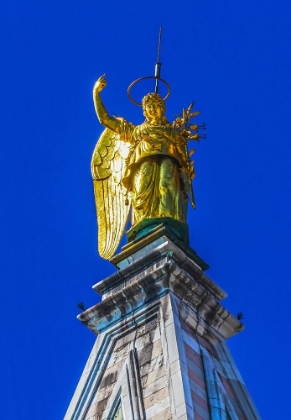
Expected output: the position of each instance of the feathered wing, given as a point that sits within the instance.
(112, 203)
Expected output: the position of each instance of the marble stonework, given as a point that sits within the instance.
(161, 349)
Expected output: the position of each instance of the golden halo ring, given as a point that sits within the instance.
(143, 78)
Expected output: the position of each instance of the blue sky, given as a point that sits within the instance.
(233, 59)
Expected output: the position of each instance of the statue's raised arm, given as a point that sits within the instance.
(105, 119)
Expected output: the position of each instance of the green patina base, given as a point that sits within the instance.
(145, 227)
(150, 230)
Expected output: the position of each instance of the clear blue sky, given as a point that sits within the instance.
(233, 59)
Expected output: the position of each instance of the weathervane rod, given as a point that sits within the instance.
(158, 64)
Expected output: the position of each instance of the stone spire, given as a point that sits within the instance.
(161, 349)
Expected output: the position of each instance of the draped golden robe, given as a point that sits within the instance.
(153, 174)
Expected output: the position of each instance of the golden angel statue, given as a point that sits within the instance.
(145, 168)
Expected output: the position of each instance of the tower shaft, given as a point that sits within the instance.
(161, 349)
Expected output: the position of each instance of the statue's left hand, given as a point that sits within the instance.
(100, 84)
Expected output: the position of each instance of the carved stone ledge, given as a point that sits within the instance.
(150, 284)
(147, 256)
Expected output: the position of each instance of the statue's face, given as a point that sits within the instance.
(153, 111)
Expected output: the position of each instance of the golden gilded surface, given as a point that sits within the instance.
(145, 168)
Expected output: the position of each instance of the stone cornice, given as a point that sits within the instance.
(148, 255)
(164, 276)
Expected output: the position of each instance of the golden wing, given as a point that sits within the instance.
(112, 203)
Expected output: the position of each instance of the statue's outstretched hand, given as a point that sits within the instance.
(100, 84)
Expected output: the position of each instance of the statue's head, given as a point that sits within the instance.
(153, 107)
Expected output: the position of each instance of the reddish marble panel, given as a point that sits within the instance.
(193, 356)
(200, 401)
(198, 381)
